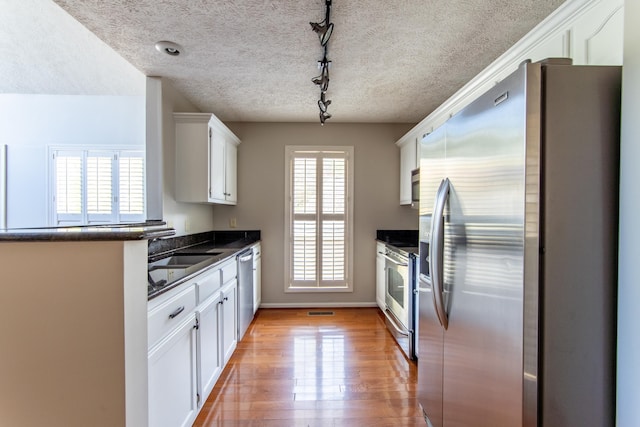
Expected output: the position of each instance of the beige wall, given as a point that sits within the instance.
(261, 191)
(73, 334)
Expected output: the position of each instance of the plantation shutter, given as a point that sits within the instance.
(333, 224)
(132, 194)
(318, 219)
(68, 187)
(305, 219)
(100, 187)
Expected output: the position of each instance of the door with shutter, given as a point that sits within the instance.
(318, 218)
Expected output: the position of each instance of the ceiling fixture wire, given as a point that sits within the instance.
(324, 29)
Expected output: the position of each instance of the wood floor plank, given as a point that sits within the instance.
(292, 369)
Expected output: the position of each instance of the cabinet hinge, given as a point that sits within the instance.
(198, 398)
(197, 325)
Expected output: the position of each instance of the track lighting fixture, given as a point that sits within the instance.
(324, 29)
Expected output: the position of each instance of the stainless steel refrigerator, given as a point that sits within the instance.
(518, 240)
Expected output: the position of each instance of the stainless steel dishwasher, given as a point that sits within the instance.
(245, 291)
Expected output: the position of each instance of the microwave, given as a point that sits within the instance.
(415, 187)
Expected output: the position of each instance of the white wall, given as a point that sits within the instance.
(628, 386)
(186, 218)
(261, 192)
(59, 85)
(32, 123)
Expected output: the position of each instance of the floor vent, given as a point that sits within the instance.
(320, 313)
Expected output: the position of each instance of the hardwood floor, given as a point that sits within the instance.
(292, 369)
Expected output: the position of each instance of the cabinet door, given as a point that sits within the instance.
(380, 276)
(230, 175)
(210, 356)
(597, 36)
(229, 319)
(408, 162)
(173, 391)
(216, 167)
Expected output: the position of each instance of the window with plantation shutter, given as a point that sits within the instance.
(318, 218)
(97, 187)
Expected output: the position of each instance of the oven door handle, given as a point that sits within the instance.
(399, 264)
(393, 323)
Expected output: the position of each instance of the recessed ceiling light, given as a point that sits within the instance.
(170, 48)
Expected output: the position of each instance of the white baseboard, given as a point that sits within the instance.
(318, 305)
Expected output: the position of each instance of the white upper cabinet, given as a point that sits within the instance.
(590, 32)
(206, 157)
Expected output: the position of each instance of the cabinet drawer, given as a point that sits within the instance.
(169, 314)
(208, 284)
(229, 271)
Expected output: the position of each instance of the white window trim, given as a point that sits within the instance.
(113, 149)
(289, 150)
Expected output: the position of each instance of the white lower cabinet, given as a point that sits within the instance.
(192, 333)
(229, 294)
(173, 378)
(210, 354)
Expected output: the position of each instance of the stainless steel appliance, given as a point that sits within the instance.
(400, 298)
(245, 291)
(518, 225)
(415, 188)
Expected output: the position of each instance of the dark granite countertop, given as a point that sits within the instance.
(398, 238)
(404, 240)
(218, 246)
(105, 232)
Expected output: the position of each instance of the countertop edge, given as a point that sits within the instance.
(82, 234)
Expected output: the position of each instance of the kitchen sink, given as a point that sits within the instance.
(166, 271)
(180, 261)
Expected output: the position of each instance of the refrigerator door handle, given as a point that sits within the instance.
(430, 257)
(436, 256)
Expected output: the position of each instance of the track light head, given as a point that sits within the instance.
(324, 31)
(324, 116)
(323, 104)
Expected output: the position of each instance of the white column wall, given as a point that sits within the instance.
(628, 381)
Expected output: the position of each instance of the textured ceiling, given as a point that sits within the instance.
(253, 60)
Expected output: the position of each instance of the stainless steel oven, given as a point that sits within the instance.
(400, 298)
